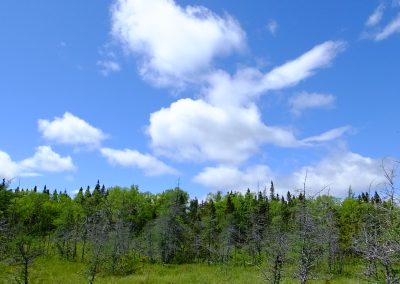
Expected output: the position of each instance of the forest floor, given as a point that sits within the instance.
(54, 270)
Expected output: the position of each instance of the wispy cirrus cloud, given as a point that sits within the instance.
(329, 135)
(108, 66)
(376, 16)
(272, 27)
(301, 68)
(391, 28)
(377, 26)
(306, 101)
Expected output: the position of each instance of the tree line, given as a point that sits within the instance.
(116, 230)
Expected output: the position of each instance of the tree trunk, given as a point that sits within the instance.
(83, 246)
(26, 272)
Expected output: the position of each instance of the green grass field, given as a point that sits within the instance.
(54, 270)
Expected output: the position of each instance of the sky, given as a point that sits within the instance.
(207, 95)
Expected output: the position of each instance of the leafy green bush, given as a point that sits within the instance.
(127, 264)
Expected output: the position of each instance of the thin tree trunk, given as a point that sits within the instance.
(26, 272)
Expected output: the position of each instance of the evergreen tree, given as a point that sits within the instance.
(272, 191)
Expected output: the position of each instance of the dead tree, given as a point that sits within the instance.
(379, 246)
(277, 255)
(309, 241)
(378, 241)
(26, 250)
(119, 243)
(97, 237)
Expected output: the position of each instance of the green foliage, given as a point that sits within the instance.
(120, 231)
(128, 263)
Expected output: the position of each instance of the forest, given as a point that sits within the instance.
(290, 238)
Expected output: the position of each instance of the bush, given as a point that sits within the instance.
(127, 264)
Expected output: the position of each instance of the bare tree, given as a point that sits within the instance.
(309, 241)
(4, 236)
(331, 236)
(97, 236)
(378, 241)
(119, 242)
(256, 231)
(26, 250)
(172, 228)
(379, 246)
(277, 255)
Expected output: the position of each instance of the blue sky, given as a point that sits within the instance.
(219, 95)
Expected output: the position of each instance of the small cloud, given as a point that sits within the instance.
(71, 130)
(302, 67)
(44, 160)
(376, 16)
(375, 31)
(8, 168)
(390, 29)
(328, 135)
(132, 158)
(272, 26)
(305, 101)
(108, 66)
(232, 178)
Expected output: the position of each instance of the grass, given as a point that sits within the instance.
(54, 270)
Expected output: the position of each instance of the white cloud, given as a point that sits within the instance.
(304, 101)
(225, 124)
(71, 130)
(131, 158)
(8, 168)
(390, 29)
(333, 174)
(292, 72)
(378, 32)
(272, 26)
(44, 160)
(198, 131)
(328, 135)
(174, 43)
(376, 16)
(238, 90)
(108, 66)
(337, 172)
(248, 83)
(231, 178)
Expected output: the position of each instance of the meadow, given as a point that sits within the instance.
(53, 270)
(123, 235)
